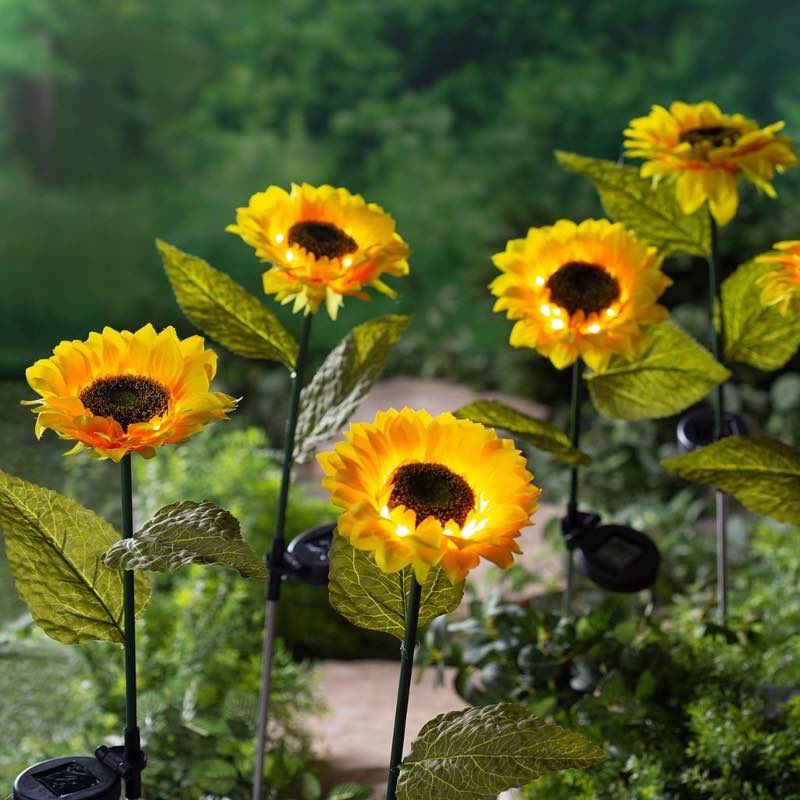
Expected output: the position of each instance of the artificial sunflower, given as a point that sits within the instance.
(705, 151)
(121, 392)
(781, 286)
(323, 244)
(582, 290)
(424, 491)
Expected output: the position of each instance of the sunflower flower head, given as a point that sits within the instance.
(780, 286)
(706, 151)
(424, 491)
(580, 290)
(323, 244)
(120, 392)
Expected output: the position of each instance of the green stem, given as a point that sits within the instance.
(572, 505)
(132, 745)
(404, 687)
(291, 428)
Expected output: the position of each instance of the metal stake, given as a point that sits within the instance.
(275, 561)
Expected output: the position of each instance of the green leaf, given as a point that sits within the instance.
(224, 310)
(763, 474)
(542, 435)
(344, 378)
(187, 533)
(370, 598)
(755, 334)
(54, 547)
(479, 752)
(651, 211)
(673, 373)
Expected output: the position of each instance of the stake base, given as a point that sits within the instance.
(72, 777)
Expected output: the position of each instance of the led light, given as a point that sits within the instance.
(346, 262)
(558, 324)
(385, 512)
(611, 313)
(545, 309)
(539, 280)
(594, 328)
(289, 255)
(279, 237)
(402, 530)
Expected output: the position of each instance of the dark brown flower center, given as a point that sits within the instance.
(579, 286)
(432, 490)
(323, 239)
(126, 398)
(711, 136)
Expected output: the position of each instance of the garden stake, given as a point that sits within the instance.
(133, 752)
(718, 401)
(572, 506)
(404, 687)
(276, 562)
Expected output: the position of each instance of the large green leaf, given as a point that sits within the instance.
(224, 310)
(651, 211)
(763, 474)
(542, 435)
(371, 598)
(477, 753)
(755, 334)
(54, 547)
(187, 533)
(673, 373)
(346, 375)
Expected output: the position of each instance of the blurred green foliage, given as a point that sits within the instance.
(135, 119)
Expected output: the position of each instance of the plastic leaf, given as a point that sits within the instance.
(224, 310)
(673, 373)
(763, 474)
(755, 334)
(539, 434)
(344, 378)
(370, 598)
(54, 547)
(187, 533)
(652, 211)
(479, 752)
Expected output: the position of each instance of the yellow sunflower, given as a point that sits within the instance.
(323, 244)
(706, 151)
(781, 286)
(121, 392)
(424, 491)
(582, 290)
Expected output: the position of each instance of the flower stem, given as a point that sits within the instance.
(404, 687)
(275, 560)
(133, 753)
(572, 505)
(717, 339)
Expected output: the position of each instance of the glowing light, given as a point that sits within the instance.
(539, 280)
(611, 313)
(346, 262)
(385, 512)
(594, 328)
(289, 255)
(279, 237)
(557, 324)
(545, 309)
(402, 530)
